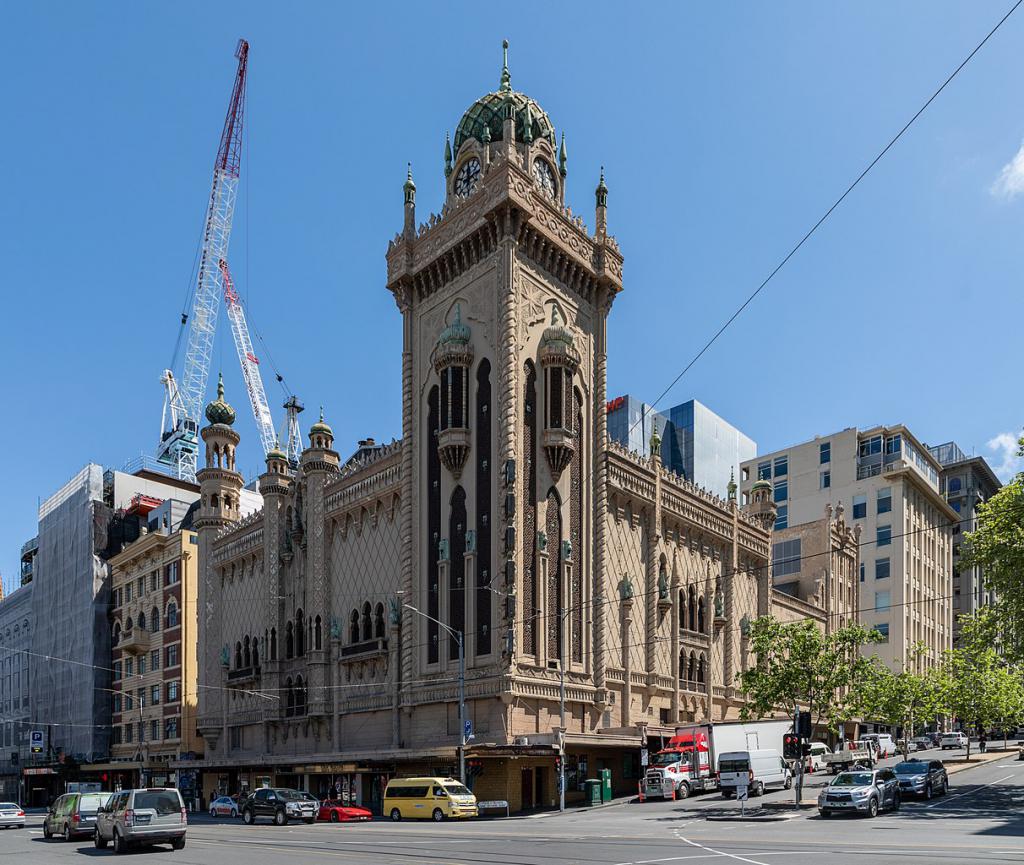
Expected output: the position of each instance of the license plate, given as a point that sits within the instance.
(142, 820)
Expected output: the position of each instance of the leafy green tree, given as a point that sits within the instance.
(997, 547)
(902, 699)
(799, 664)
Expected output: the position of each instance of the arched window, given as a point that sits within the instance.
(142, 621)
(172, 615)
(300, 697)
(300, 635)
(128, 625)
(246, 653)
(273, 644)
(117, 633)
(353, 627)
(378, 622)
(289, 642)
(691, 669)
(955, 485)
(238, 656)
(318, 634)
(682, 665)
(701, 618)
(256, 652)
(367, 622)
(154, 620)
(701, 661)
(691, 608)
(289, 708)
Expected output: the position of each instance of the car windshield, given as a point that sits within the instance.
(162, 801)
(289, 795)
(457, 790)
(90, 803)
(911, 767)
(668, 758)
(852, 779)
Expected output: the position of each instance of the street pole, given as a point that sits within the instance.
(561, 733)
(462, 708)
(462, 685)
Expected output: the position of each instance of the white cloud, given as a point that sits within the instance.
(1004, 446)
(1010, 182)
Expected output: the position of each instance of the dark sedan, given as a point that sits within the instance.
(925, 778)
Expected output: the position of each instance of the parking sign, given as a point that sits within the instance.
(36, 741)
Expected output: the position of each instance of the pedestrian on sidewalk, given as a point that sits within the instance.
(982, 742)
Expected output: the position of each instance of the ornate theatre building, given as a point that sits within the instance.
(330, 622)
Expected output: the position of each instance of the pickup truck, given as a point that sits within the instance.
(847, 755)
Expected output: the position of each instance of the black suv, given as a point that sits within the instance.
(280, 804)
(922, 778)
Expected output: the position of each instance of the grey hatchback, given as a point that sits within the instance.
(73, 814)
(155, 815)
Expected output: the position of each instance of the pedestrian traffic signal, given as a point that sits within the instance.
(791, 746)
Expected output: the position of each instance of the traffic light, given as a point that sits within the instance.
(791, 746)
(803, 725)
(805, 749)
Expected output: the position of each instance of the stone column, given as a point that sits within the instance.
(627, 663)
(600, 493)
(674, 641)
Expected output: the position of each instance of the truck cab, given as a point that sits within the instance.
(681, 768)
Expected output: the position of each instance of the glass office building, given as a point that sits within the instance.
(695, 442)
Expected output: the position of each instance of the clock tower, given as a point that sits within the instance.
(504, 297)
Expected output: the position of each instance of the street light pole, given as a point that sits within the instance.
(462, 686)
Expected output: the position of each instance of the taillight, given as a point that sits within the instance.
(129, 817)
(21, 813)
(75, 819)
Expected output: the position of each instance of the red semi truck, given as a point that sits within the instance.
(689, 763)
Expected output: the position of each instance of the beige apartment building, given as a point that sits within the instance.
(153, 655)
(888, 485)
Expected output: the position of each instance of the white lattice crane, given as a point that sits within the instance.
(179, 441)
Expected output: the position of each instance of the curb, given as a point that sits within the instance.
(754, 817)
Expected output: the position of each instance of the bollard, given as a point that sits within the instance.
(640, 790)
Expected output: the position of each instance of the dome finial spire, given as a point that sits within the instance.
(506, 79)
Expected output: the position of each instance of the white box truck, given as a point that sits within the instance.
(689, 763)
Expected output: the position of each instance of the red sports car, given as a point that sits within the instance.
(338, 812)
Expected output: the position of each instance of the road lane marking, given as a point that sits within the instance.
(717, 852)
(968, 792)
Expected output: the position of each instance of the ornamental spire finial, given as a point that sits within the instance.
(220, 386)
(447, 155)
(506, 79)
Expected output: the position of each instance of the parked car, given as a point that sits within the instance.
(73, 815)
(953, 740)
(921, 743)
(133, 818)
(758, 770)
(224, 806)
(925, 778)
(935, 737)
(11, 815)
(336, 811)
(885, 746)
(280, 804)
(866, 792)
(309, 797)
(817, 760)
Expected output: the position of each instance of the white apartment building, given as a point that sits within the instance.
(888, 485)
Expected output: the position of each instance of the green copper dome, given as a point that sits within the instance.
(321, 426)
(275, 453)
(488, 113)
(220, 411)
(457, 333)
(761, 485)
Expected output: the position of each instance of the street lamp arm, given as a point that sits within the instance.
(454, 633)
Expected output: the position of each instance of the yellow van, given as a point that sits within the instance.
(428, 799)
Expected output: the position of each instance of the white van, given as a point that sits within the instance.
(758, 770)
(816, 759)
(886, 745)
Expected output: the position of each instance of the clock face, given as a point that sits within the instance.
(465, 180)
(545, 179)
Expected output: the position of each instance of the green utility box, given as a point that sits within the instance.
(593, 792)
(606, 785)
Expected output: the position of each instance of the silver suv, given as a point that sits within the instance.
(155, 815)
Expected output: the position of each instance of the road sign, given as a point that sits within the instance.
(741, 793)
(36, 739)
(468, 729)
(643, 757)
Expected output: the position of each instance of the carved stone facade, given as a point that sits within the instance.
(503, 514)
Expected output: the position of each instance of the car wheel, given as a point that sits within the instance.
(280, 818)
(247, 817)
(334, 816)
(47, 834)
(789, 782)
(726, 794)
(119, 846)
(98, 841)
(438, 815)
(178, 844)
(825, 812)
(758, 789)
(896, 802)
(872, 807)
(396, 815)
(67, 832)
(234, 813)
(945, 786)
(683, 791)
(213, 812)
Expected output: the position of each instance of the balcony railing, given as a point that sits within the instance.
(135, 640)
(243, 674)
(378, 644)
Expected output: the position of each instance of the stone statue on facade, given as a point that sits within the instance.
(225, 656)
(471, 541)
(662, 586)
(443, 549)
(335, 628)
(394, 611)
(626, 588)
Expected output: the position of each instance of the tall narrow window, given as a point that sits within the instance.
(529, 496)
(553, 530)
(433, 522)
(576, 535)
(457, 568)
(484, 463)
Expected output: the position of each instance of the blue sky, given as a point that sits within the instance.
(725, 130)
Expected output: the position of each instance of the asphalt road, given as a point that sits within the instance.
(980, 820)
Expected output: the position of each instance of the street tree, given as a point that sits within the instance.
(997, 547)
(797, 663)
